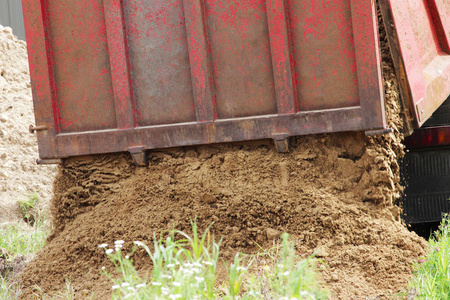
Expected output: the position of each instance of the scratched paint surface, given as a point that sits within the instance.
(159, 61)
(324, 55)
(81, 65)
(422, 30)
(241, 60)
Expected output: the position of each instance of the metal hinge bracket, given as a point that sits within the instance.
(139, 156)
(281, 141)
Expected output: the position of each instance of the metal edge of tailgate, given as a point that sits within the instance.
(399, 65)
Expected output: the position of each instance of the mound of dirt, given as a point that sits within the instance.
(334, 193)
(20, 177)
(315, 192)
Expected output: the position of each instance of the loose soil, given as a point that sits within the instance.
(20, 176)
(334, 193)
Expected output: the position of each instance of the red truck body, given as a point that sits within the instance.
(130, 75)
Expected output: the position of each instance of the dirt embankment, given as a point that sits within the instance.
(334, 193)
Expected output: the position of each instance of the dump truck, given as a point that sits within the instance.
(130, 76)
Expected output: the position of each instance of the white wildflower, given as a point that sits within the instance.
(175, 283)
(156, 283)
(207, 263)
(167, 276)
(103, 268)
(199, 279)
(127, 257)
(125, 284)
(140, 285)
(139, 244)
(119, 242)
(115, 287)
(170, 265)
(186, 271)
(286, 273)
(176, 296)
(109, 251)
(103, 245)
(165, 291)
(239, 268)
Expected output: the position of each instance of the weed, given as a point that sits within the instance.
(29, 209)
(67, 294)
(432, 276)
(9, 289)
(186, 269)
(16, 242)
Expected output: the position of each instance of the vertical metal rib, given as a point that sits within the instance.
(201, 70)
(281, 57)
(118, 56)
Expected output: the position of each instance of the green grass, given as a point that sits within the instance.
(432, 276)
(18, 240)
(186, 269)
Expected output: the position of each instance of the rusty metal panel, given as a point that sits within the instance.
(80, 63)
(238, 33)
(419, 37)
(124, 75)
(159, 61)
(326, 75)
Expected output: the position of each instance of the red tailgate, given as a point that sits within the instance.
(420, 36)
(113, 75)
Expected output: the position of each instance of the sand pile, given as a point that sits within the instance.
(315, 192)
(334, 193)
(19, 174)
